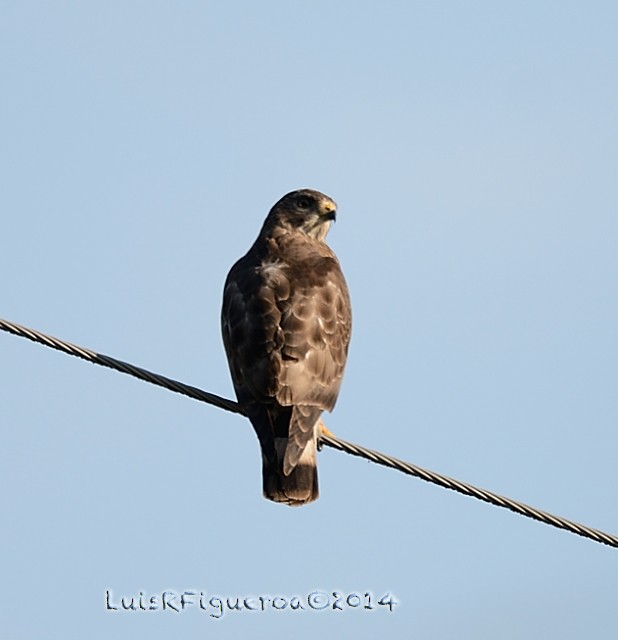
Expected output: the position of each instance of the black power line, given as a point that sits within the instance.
(331, 441)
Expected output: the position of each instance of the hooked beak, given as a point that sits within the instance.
(330, 212)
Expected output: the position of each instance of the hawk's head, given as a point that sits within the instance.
(305, 210)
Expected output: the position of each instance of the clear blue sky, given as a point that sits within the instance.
(472, 148)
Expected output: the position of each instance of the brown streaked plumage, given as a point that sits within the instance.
(286, 323)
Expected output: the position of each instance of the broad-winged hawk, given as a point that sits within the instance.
(286, 324)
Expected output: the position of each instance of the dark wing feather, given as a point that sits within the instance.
(252, 337)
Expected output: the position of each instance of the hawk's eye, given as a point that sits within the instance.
(303, 202)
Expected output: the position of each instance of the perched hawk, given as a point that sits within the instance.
(286, 324)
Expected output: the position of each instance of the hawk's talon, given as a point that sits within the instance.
(324, 431)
